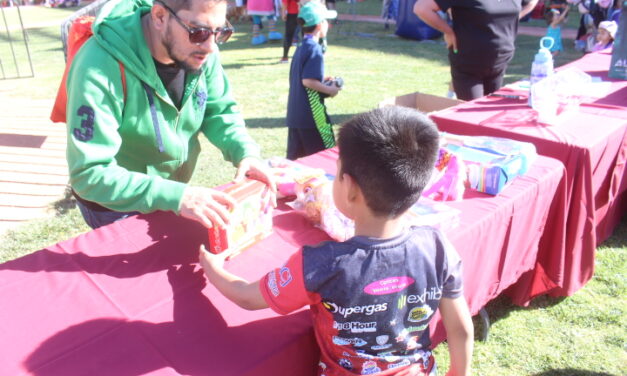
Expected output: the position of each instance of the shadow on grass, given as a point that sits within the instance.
(502, 306)
(374, 37)
(266, 123)
(279, 122)
(619, 236)
(64, 205)
(571, 372)
(253, 62)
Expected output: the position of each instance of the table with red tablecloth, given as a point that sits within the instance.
(129, 298)
(597, 65)
(592, 144)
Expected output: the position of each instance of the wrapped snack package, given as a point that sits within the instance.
(427, 212)
(287, 172)
(314, 198)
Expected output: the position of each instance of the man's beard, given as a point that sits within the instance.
(167, 43)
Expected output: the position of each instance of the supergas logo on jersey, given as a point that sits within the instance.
(347, 311)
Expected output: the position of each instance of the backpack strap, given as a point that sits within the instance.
(123, 74)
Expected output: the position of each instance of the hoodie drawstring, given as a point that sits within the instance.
(155, 119)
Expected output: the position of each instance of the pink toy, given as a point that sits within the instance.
(447, 181)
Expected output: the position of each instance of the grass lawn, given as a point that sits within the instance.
(582, 335)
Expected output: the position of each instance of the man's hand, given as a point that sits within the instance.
(207, 206)
(254, 168)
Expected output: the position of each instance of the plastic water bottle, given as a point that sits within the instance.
(542, 65)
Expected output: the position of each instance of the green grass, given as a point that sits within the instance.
(42, 27)
(582, 335)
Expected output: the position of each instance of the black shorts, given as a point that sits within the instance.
(302, 142)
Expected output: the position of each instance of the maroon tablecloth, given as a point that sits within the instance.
(129, 298)
(591, 143)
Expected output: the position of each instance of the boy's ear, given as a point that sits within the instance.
(354, 191)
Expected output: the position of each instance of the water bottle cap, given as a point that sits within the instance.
(544, 54)
(546, 43)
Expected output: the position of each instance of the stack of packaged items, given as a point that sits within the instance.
(491, 163)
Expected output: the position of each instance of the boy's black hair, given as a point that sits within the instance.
(305, 29)
(390, 152)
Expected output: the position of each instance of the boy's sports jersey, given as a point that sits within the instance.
(303, 105)
(371, 299)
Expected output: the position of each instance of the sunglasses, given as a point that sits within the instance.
(199, 35)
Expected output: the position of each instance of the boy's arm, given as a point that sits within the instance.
(330, 90)
(241, 292)
(459, 332)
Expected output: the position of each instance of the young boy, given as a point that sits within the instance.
(309, 126)
(372, 296)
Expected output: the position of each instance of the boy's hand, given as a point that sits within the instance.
(236, 289)
(211, 262)
(333, 90)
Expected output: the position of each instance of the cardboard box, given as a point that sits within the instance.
(251, 219)
(423, 102)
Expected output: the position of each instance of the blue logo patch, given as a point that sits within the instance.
(201, 98)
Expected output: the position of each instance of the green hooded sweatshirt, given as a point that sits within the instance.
(137, 153)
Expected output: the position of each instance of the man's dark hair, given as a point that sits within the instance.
(390, 152)
(177, 5)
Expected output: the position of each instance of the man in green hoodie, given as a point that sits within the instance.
(140, 92)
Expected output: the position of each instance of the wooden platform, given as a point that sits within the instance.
(33, 169)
